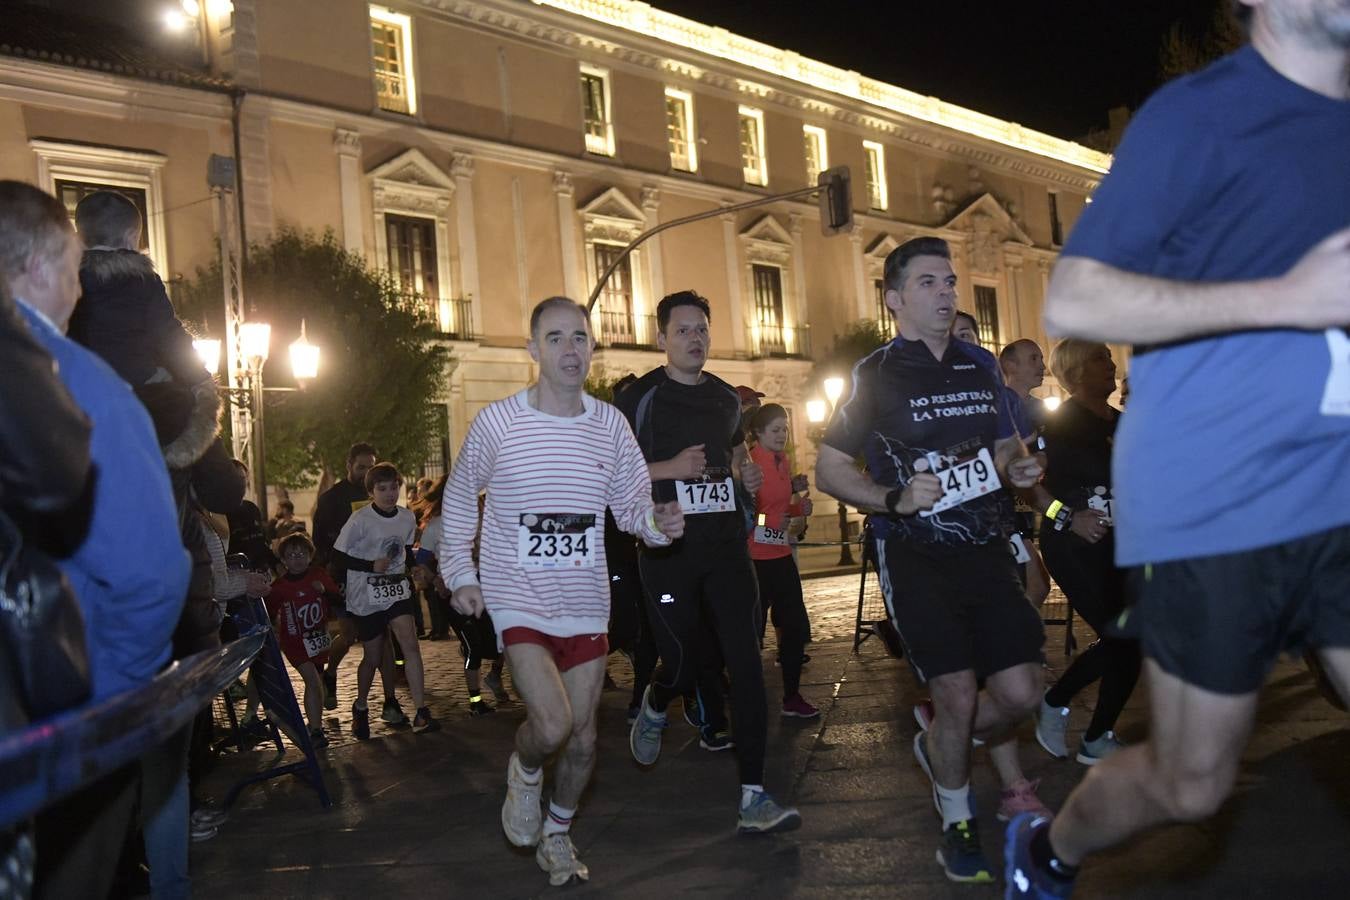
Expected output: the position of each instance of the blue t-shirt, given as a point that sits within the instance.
(906, 404)
(1230, 174)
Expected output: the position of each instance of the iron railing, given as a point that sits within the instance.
(779, 340)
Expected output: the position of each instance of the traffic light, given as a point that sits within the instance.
(836, 200)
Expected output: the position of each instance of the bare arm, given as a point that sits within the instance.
(837, 476)
(1092, 300)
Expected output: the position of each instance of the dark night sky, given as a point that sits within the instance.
(1053, 65)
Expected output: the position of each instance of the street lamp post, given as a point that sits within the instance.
(817, 414)
(255, 340)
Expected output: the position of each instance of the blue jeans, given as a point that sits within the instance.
(164, 816)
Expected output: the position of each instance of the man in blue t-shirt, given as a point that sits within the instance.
(1218, 246)
(929, 415)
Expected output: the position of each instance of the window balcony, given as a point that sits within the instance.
(622, 330)
(779, 341)
(452, 318)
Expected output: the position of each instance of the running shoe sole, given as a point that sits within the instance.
(787, 820)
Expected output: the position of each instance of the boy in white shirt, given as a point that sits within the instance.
(375, 547)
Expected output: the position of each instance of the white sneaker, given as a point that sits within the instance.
(1052, 724)
(522, 817)
(557, 856)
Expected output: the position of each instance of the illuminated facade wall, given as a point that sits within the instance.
(499, 151)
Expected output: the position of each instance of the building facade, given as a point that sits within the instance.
(493, 152)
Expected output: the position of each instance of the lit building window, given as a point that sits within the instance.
(754, 163)
(876, 174)
(817, 156)
(1056, 229)
(986, 315)
(391, 56)
(70, 171)
(680, 130)
(595, 111)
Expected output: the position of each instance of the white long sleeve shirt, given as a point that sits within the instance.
(548, 480)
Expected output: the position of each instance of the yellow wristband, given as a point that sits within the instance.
(1053, 509)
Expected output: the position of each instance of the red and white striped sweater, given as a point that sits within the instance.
(532, 462)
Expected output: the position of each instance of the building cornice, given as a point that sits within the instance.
(71, 89)
(636, 34)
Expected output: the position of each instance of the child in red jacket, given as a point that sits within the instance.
(298, 608)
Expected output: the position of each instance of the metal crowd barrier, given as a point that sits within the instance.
(56, 757)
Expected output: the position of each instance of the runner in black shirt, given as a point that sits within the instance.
(929, 416)
(688, 425)
(1080, 548)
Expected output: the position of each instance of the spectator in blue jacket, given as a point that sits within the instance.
(130, 570)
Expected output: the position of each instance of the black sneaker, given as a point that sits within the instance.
(715, 741)
(423, 721)
(318, 739)
(361, 722)
(961, 857)
(476, 708)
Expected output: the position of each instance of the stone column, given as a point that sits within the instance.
(461, 169)
(656, 278)
(347, 145)
(574, 285)
(735, 309)
(860, 292)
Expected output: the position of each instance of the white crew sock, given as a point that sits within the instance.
(955, 803)
(748, 792)
(559, 819)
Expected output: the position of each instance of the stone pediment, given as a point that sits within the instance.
(612, 204)
(766, 241)
(990, 227)
(612, 217)
(986, 216)
(413, 167)
(766, 228)
(881, 247)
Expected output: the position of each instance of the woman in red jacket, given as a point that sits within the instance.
(780, 586)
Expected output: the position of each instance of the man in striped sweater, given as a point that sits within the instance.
(551, 459)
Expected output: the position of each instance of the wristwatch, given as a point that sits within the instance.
(1060, 514)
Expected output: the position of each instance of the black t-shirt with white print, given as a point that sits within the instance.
(906, 405)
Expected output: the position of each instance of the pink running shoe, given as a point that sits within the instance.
(1021, 798)
(795, 707)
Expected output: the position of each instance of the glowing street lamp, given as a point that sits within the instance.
(816, 412)
(208, 350)
(255, 340)
(1051, 403)
(304, 357)
(834, 389)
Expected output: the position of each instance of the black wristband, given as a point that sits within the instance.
(892, 499)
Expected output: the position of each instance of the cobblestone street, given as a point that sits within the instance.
(419, 813)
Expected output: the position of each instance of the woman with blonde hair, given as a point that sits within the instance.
(1079, 547)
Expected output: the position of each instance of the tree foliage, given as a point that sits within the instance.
(380, 363)
(850, 345)
(1185, 49)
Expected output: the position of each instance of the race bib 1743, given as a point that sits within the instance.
(556, 541)
(962, 479)
(698, 497)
